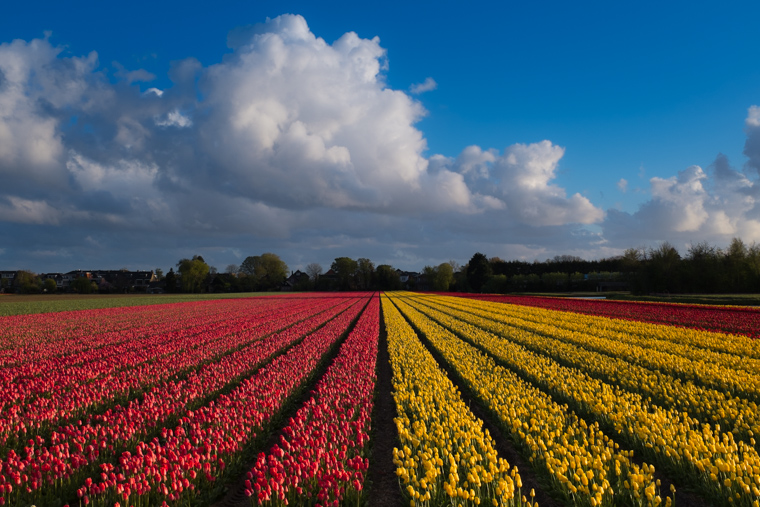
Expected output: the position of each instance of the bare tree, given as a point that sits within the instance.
(232, 269)
(313, 270)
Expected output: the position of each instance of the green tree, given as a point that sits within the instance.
(365, 271)
(663, 265)
(428, 275)
(83, 285)
(49, 285)
(444, 274)
(702, 265)
(248, 266)
(268, 270)
(171, 281)
(753, 265)
(27, 282)
(737, 267)
(345, 269)
(478, 271)
(193, 273)
(387, 278)
(497, 284)
(159, 274)
(555, 281)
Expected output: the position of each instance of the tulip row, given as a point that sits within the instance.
(37, 337)
(725, 319)
(738, 415)
(187, 460)
(59, 398)
(733, 351)
(445, 457)
(110, 356)
(321, 455)
(46, 338)
(717, 371)
(726, 470)
(103, 343)
(55, 464)
(585, 466)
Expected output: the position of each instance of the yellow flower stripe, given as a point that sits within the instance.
(734, 351)
(583, 463)
(719, 376)
(446, 458)
(723, 467)
(708, 405)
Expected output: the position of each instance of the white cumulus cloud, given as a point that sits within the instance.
(426, 86)
(295, 139)
(174, 119)
(695, 205)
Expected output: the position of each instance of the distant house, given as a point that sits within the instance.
(6, 279)
(56, 277)
(295, 280)
(69, 277)
(409, 279)
(108, 280)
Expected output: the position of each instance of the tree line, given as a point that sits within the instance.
(267, 272)
(703, 269)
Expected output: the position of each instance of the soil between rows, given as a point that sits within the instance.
(383, 488)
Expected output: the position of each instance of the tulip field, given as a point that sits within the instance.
(273, 401)
(730, 319)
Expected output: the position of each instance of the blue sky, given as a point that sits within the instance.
(546, 129)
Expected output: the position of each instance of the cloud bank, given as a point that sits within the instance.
(715, 204)
(297, 144)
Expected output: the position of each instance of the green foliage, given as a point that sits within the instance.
(365, 272)
(387, 278)
(266, 271)
(27, 282)
(478, 272)
(193, 273)
(439, 278)
(444, 275)
(497, 284)
(345, 269)
(83, 285)
(555, 281)
(171, 281)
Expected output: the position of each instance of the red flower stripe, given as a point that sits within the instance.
(48, 465)
(32, 338)
(321, 454)
(64, 398)
(194, 454)
(22, 384)
(51, 335)
(725, 319)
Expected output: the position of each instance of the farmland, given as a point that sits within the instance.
(274, 400)
(44, 303)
